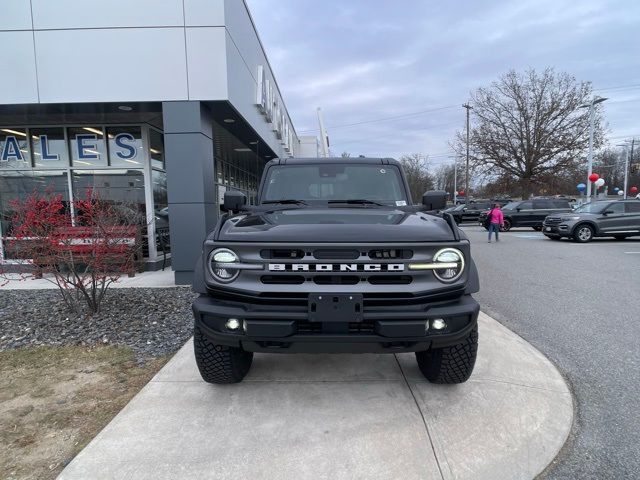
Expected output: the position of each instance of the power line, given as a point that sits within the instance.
(382, 119)
(619, 87)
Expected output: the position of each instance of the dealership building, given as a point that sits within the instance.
(161, 105)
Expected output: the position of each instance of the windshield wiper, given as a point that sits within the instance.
(357, 201)
(285, 201)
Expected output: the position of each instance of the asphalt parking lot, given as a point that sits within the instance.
(579, 304)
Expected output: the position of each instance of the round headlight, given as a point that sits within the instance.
(222, 260)
(453, 264)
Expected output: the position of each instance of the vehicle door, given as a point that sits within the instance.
(612, 219)
(541, 208)
(521, 217)
(472, 212)
(632, 216)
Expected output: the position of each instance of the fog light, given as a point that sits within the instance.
(232, 324)
(438, 324)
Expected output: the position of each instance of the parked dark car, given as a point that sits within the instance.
(530, 213)
(470, 212)
(614, 218)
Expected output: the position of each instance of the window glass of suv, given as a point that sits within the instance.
(560, 204)
(541, 204)
(595, 207)
(333, 181)
(632, 207)
(615, 208)
(511, 206)
(525, 206)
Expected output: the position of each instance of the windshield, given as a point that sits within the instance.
(596, 207)
(511, 206)
(331, 181)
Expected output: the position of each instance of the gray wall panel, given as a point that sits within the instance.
(187, 117)
(191, 167)
(57, 14)
(15, 15)
(190, 224)
(204, 13)
(206, 54)
(193, 209)
(111, 65)
(18, 82)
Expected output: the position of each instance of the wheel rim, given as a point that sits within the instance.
(584, 234)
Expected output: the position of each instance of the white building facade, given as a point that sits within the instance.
(160, 104)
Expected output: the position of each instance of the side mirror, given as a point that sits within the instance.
(234, 201)
(434, 200)
(607, 212)
(518, 209)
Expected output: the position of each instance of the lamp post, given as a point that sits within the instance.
(592, 113)
(466, 177)
(628, 158)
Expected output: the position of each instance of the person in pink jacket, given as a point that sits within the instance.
(496, 221)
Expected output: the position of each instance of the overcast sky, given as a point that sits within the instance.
(366, 60)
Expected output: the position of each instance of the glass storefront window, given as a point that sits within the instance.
(18, 185)
(121, 186)
(161, 211)
(219, 172)
(87, 147)
(125, 147)
(156, 144)
(14, 151)
(49, 148)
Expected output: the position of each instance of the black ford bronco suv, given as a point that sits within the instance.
(335, 258)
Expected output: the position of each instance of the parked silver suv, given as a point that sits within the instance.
(612, 218)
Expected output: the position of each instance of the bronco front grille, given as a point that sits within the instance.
(335, 280)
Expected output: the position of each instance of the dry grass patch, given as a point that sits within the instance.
(54, 400)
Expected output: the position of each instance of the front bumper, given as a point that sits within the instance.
(556, 230)
(288, 329)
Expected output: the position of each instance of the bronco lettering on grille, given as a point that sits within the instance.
(337, 267)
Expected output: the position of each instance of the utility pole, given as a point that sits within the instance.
(324, 138)
(455, 182)
(592, 114)
(626, 168)
(466, 179)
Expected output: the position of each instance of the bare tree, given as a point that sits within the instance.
(416, 168)
(444, 178)
(530, 126)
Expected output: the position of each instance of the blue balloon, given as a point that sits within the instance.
(581, 187)
(616, 189)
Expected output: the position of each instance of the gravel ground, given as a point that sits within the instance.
(578, 304)
(152, 321)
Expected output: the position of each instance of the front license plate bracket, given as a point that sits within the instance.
(335, 307)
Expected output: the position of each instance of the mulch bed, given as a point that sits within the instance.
(152, 321)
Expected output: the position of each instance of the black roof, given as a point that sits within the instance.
(366, 160)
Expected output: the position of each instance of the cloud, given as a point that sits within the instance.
(369, 59)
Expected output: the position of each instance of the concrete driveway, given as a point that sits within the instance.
(341, 417)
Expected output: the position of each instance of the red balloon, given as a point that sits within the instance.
(634, 189)
(594, 177)
(461, 192)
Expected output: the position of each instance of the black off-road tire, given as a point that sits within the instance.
(537, 229)
(220, 363)
(453, 364)
(507, 225)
